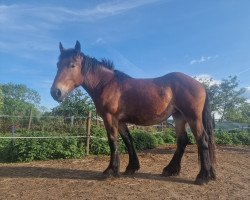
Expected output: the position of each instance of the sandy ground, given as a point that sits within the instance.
(82, 179)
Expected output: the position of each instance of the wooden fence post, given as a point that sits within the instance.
(72, 120)
(88, 126)
(30, 118)
(12, 134)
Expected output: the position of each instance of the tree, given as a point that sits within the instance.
(212, 87)
(76, 104)
(1, 100)
(227, 99)
(18, 99)
(231, 98)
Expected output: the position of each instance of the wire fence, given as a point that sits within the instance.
(58, 127)
(57, 124)
(76, 126)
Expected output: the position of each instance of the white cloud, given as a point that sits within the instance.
(31, 26)
(61, 14)
(243, 71)
(247, 93)
(99, 41)
(206, 78)
(202, 59)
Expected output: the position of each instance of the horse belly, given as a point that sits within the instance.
(146, 103)
(145, 118)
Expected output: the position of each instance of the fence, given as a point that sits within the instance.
(20, 127)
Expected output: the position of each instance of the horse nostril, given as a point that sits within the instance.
(58, 93)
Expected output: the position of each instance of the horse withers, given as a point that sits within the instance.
(121, 99)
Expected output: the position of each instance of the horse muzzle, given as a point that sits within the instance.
(58, 94)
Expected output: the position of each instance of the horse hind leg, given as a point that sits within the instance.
(133, 164)
(206, 169)
(174, 167)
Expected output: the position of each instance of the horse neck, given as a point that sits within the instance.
(97, 79)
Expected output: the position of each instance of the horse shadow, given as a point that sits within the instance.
(75, 174)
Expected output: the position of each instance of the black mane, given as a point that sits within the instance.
(107, 64)
(91, 63)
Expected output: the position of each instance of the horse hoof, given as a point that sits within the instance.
(110, 173)
(201, 181)
(212, 174)
(131, 170)
(170, 171)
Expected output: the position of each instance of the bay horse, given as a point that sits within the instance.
(121, 99)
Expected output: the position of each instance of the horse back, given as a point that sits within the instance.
(150, 101)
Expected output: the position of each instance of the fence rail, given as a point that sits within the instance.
(80, 126)
(51, 137)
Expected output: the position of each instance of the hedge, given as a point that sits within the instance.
(25, 150)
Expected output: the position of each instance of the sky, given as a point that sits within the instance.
(144, 38)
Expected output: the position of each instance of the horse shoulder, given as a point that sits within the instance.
(109, 98)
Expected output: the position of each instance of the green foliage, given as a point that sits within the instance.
(143, 140)
(76, 104)
(236, 138)
(98, 142)
(227, 99)
(169, 136)
(18, 99)
(25, 150)
(159, 138)
(191, 138)
(1, 100)
(39, 149)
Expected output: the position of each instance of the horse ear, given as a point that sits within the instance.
(78, 47)
(61, 47)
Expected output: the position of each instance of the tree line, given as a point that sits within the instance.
(226, 99)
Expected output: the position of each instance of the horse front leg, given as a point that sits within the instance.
(133, 164)
(111, 125)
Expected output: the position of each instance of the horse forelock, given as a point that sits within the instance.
(67, 54)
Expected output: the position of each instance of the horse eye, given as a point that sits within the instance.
(72, 65)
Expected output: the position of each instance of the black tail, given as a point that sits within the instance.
(209, 128)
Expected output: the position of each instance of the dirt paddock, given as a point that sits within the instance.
(81, 179)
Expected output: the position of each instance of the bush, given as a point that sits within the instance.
(243, 138)
(223, 137)
(191, 138)
(99, 142)
(143, 140)
(39, 149)
(169, 136)
(25, 150)
(159, 138)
